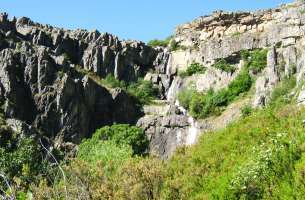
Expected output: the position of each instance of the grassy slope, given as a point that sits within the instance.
(207, 170)
(261, 156)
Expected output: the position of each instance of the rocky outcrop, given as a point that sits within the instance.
(266, 82)
(101, 53)
(45, 81)
(168, 127)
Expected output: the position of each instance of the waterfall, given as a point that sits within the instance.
(193, 131)
(173, 89)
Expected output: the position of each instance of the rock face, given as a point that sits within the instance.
(43, 84)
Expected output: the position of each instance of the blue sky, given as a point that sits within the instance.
(128, 19)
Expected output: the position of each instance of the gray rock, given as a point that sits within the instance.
(266, 82)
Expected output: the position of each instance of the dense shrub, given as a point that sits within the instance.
(256, 60)
(223, 65)
(272, 160)
(112, 82)
(194, 68)
(107, 153)
(204, 105)
(246, 110)
(22, 161)
(144, 91)
(137, 178)
(141, 179)
(162, 43)
(120, 135)
(173, 45)
(299, 174)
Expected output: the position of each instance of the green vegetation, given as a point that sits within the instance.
(162, 43)
(246, 110)
(21, 161)
(248, 160)
(120, 134)
(194, 68)
(185, 97)
(236, 34)
(142, 90)
(202, 105)
(223, 65)
(111, 82)
(113, 144)
(110, 165)
(261, 156)
(281, 91)
(173, 45)
(255, 60)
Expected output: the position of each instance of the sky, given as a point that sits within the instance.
(129, 19)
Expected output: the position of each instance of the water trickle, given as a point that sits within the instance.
(193, 131)
(174, 89)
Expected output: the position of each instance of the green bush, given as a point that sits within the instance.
(112, 145)
(21, 158)
(257, 60)
(173, 45)
(107, 153)
(143, 91)
(271, 162)
(246, 110)
(123, 134)
(194, 68)
(236, 34)
(204, 105)
(245, 54)
(223, 65)
(112, 82)
(157, 43)
(299, 175)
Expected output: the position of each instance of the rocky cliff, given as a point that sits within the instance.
(49, 77)
(225, 35)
